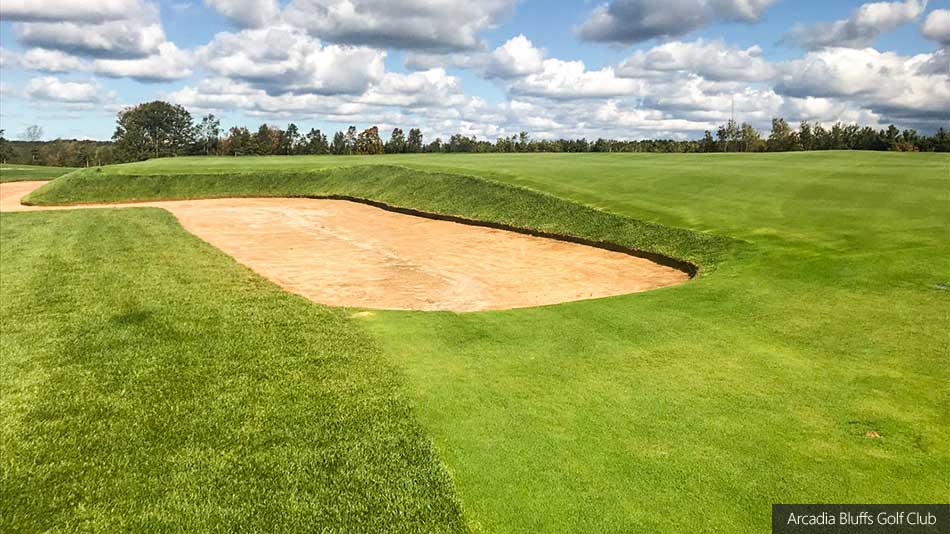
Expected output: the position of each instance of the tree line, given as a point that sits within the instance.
(159, 129)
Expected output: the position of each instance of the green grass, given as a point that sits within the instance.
(687, 408)
(10, 172)
(151, 384)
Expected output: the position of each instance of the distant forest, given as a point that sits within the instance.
(159, 129)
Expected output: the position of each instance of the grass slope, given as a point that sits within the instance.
(697, 406)
(434, 192)
(151, 384)
(22, 173)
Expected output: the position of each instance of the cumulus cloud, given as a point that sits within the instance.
(433, 25)
(432, 87)
(884, 82)
(861, 29)
(246, 13)
(137, 34)
(68, 10)
(283, 59)
(517, 57)
(51, 88)
(45, 60)
(632, 21)
(712, 60)
(936, 26)
(563, 80)
(170, 63)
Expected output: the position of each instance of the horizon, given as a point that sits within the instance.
(625, 69)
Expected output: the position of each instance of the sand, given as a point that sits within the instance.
(349, 254)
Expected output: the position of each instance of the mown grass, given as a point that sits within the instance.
(20, 173)
(151, 384)
(689, 408)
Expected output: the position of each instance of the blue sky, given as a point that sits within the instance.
(623, 68)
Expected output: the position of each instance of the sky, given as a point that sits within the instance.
(627, 69)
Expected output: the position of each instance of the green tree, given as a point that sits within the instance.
(290, 141)
(805, 136)
(153, 130)
(208, 133)
(782, 138)
(317, 143)
(414, 143)
(350, 140)
(339, 146)
(397, 142)
(6, 150)
(239, 142)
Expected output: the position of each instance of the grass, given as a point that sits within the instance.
(10, 172)
(151, 384)
(687, 408)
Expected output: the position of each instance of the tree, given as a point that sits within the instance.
(208, 133)
(350, 140)
(153, 130)
(239, 142)
(316, 143)
(339, 147)
(890, 137)
(728, 137)
(749, 138)
(435, 146)
(414, 143)
(782, 138)
(369, 143)
(708, 144)
(32, 133)
(6, 150)
(267, 140)
(397, 142)
(289, 141)
(805, 136)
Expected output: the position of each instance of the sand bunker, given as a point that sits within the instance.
(345, 253)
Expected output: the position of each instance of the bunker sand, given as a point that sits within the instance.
(345, 253)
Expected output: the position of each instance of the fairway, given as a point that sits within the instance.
(20, 173)
(806, 362)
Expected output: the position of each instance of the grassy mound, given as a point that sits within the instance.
(433, 192)
(149, 383)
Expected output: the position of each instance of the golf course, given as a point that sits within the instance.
(153, 380)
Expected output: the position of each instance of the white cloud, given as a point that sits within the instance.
(433, 25)
(283, 59)
(884, 82)
(937, 26)
(712, 60)
(136, 35)
(170, 63)
(68, 10)
(51, 88)
(570, 79)
(631, 21)
(425, 88)
(45, 60)
(246, 13)
(861, 29)
(517, 57)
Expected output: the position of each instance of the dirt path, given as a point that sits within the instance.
(349, 254)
